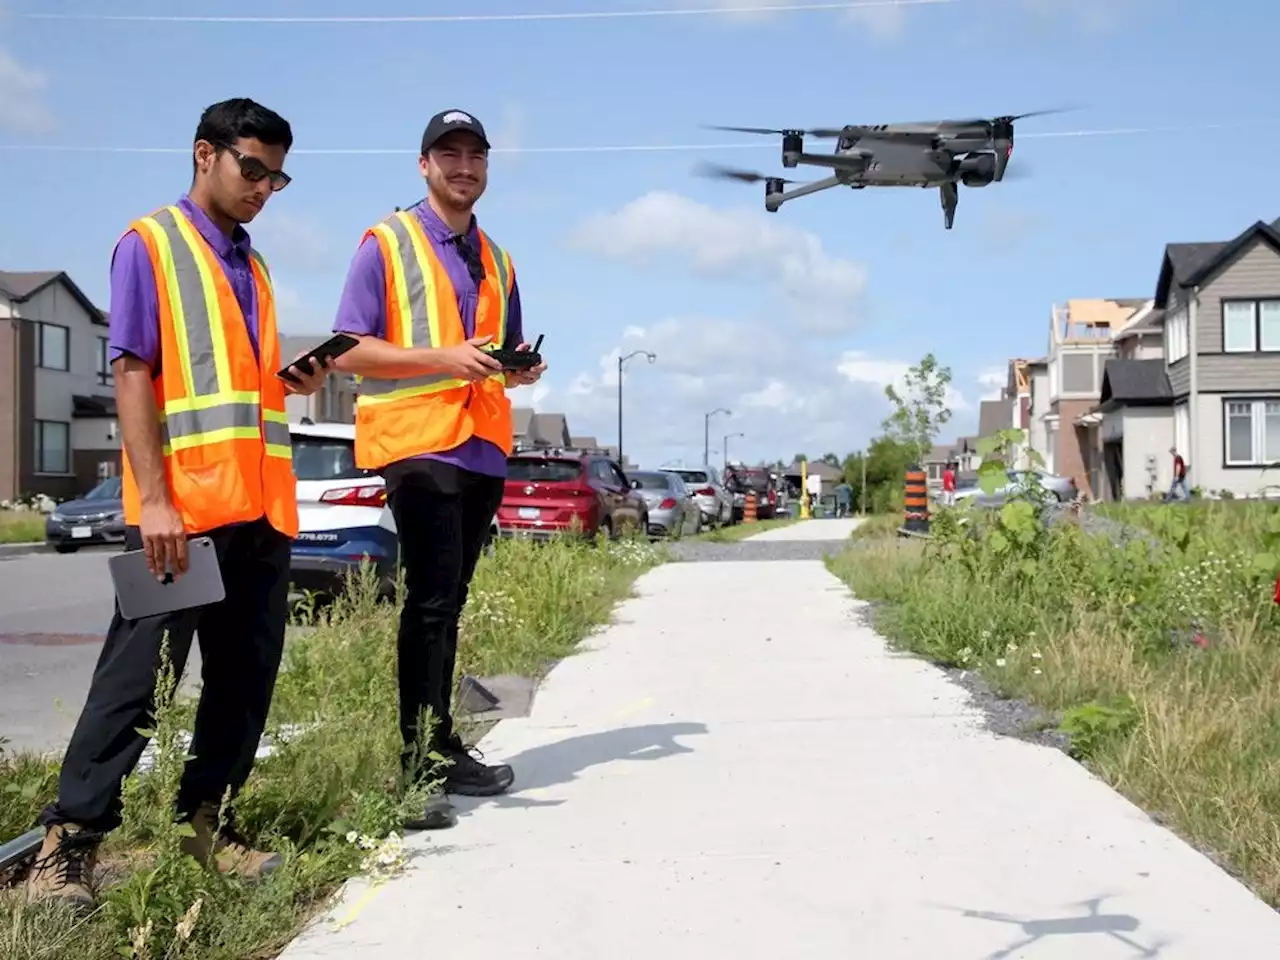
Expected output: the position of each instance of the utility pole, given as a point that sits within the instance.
(621, 360)
(706, 431)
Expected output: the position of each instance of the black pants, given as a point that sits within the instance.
(442, 514)
(241, 641)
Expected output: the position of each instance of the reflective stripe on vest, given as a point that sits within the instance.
(422, 291)
(211, 412)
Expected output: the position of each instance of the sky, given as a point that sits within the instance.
(793, 321)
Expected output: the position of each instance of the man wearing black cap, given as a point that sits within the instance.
(427, 290)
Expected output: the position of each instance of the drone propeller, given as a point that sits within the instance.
(819, 132)
(744, 176)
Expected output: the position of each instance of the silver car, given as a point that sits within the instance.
(709, 492)
(969, 490)
(672, 510)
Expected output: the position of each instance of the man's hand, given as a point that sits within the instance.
(308, 383)
(466, 361)
(522, 378)
(163, 539)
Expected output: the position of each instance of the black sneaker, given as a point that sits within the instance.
(437, 814)
(466, 776)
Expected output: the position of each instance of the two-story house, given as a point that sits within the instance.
(58, 430)
(1211, 387)
(1221, 304)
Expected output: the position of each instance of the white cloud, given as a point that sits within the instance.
(731, 244)
(785, 395)
(23, 108)
(992, 381)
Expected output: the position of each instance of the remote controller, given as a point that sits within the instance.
(518, 359)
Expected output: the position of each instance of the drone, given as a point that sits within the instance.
(942, 154)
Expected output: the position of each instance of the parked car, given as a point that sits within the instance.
(343, 515)
(758, 481)
(709, 491)
(95, 518)
(673, 509)
(551, 493)
(969, 489)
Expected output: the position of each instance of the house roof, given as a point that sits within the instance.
(1191, 264)
(521, 420)
(583, 443)
(21, 285)
(1135, 383)
(939, 454)
(551, 429)
(993, 416)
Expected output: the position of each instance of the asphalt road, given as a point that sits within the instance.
(54, 609)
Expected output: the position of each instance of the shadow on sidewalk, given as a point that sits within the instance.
(561, 762)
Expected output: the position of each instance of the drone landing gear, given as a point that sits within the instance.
(950, 200)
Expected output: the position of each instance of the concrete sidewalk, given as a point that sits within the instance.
(760, 778)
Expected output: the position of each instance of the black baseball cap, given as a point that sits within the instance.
(447, 121)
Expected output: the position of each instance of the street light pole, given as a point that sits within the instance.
(706, 431)
(727, 438)
(621, 360)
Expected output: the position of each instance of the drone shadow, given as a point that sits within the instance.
(1121, 927)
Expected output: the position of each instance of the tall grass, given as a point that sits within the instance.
(1161, 659)
(328, 797)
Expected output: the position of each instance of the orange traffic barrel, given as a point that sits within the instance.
(915, 501)
(749, 508)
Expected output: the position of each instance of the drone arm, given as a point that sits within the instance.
(817, 186)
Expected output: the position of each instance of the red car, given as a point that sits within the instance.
(551, 493)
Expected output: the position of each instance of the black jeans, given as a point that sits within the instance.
(241, 641)
(442, 514)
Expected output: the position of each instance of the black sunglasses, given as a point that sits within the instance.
(254, 170)
(471, 257)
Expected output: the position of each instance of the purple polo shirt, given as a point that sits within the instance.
(363, 311)
(134, 321)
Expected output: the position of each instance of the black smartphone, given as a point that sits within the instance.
(332, 348)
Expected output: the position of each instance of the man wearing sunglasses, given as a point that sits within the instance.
(426, 291)
(206, 452)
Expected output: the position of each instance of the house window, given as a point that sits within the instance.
(105, 377)
(1078, 371)
(1182, 428)
(1250, 326)
(1176, 337)
(1251, 435)
(53, 447)
(53, 346)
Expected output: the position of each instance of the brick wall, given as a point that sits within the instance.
(9, 375)
(1071, 460)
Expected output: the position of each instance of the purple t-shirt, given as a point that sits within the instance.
(363, 311)
(134, 321)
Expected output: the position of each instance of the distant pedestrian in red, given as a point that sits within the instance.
(949, 485)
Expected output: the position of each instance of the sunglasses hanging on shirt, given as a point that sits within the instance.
(471, 257)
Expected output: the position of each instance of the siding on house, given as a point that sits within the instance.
(1256, 274)
(1180, 377)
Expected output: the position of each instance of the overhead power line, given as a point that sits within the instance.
(491, 17)
(608, 148)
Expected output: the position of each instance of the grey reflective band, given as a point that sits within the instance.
(188, 423)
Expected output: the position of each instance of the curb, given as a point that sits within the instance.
(17, 549)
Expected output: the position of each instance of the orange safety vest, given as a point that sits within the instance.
(399, 419)
(227, 450)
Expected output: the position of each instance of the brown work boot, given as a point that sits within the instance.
(229, 851)
(63, 869)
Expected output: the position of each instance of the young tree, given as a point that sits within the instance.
(920, 408)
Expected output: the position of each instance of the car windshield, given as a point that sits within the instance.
(108, 489)
(692, 476)
(325, 458)
(650, 481)
(543, 469)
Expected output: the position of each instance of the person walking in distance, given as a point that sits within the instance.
(426, 290)
(1178, 489)
(949, 485)
(206, 451)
